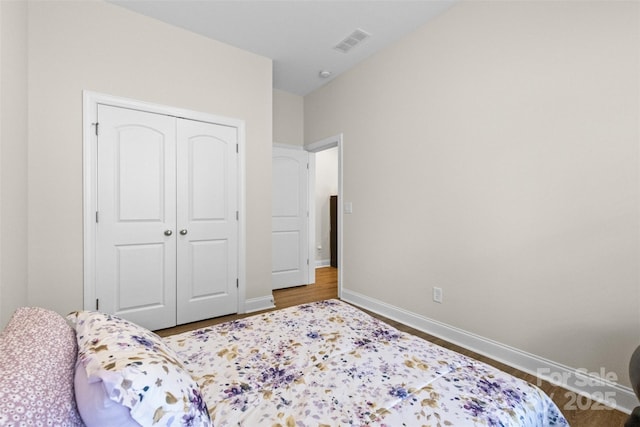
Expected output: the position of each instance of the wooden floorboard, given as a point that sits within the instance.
(580, 412)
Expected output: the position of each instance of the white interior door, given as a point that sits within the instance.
(290, 252)
(207, 223)
(135, 230)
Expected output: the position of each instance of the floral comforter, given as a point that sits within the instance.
(329, 364)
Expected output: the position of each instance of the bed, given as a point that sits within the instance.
(320, 364)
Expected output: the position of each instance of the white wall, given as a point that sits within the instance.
(494, 153)
(13, 157)
(326, 185)
(288, 118)
(75, 45)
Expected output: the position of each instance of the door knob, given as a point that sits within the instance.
(168, 232)
(183, 232)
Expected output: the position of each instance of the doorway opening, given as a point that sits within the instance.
(326, 168)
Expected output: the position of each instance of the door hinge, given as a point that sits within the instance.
(307, 261)
(237, 148)
(97, 217)
(237, 215)
(237, 283)
(97, 304)
(96, 124)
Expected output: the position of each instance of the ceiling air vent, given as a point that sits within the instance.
(352, 40)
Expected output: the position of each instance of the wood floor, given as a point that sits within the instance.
(592, 414)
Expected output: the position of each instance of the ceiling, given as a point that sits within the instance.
(298, 35)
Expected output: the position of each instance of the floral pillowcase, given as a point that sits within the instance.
(138, 371)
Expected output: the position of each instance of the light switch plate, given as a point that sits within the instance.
(348, 207)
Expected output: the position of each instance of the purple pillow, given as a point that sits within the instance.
(38, 353)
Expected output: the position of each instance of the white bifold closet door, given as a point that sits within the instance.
(167, 230)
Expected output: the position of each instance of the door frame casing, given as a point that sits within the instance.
(314, 147)
(90, 102)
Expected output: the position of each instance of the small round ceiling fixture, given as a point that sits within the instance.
(324, 74)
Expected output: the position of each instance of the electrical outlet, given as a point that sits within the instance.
(437, 294)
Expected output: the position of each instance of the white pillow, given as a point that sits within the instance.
(95, 406)
(136, 370)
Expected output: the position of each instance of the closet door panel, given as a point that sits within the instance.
(135, 258)
(208, 228)
(209, 267)
(208, 157)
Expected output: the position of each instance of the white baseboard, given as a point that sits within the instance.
(323, 263)
(575, 380)
(257, 304)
